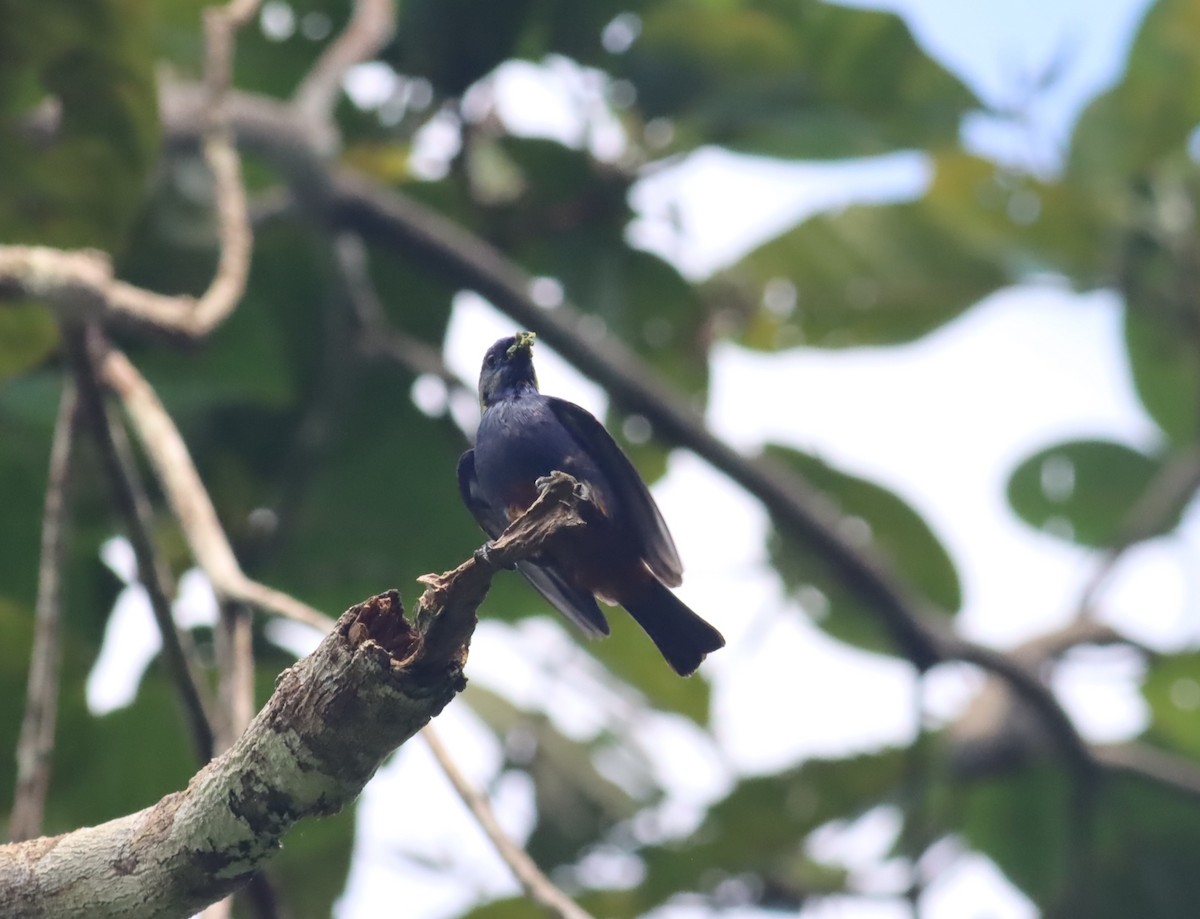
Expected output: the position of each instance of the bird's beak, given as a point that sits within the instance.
(523, 343)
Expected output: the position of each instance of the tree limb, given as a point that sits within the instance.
(133, 507)
(371, 26)
(36, 742)
(189, 501)
(373, 682)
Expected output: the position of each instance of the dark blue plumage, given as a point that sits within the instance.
(627, 557)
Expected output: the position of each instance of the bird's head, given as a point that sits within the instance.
(507, 369)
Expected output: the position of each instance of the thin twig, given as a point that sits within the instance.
(377, 337)
(371, 26)
(133, 506)
(190, 501)
(1146, 762)
(235, 668)
(36, 743)
(537, 886)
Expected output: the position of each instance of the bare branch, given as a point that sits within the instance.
(371, 26)
(188, 498)
(132, 505)
(1145, 762)
(373, 682)
(376, 336)
(36, 742)
(235, 668)
(537, 886)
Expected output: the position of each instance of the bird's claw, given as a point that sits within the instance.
(582, 490)
(484, 554)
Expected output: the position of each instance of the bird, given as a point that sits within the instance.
(625, 556)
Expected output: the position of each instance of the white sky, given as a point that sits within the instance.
(941, 421)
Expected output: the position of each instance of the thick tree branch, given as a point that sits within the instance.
(36, 742)
(374, 681)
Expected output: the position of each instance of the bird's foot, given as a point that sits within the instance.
(582, 490)
(484, 555)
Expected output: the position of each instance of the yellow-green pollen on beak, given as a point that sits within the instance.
(523, 343)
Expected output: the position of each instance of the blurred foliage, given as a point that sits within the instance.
(1086, 491)
(790, 78)
(94, 60)
(872, 516)
(334, 485)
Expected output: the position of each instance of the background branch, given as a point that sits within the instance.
(537, 886)
(189, 501)
(371, 26)
(133, 507)
(35, 745)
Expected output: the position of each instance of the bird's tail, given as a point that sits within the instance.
(683, 637)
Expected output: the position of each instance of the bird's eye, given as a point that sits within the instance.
(490, 361)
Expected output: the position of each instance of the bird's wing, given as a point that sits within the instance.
(631, 494)
(492, 520)
(577, 605)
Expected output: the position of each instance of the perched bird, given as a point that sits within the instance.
(626, 557)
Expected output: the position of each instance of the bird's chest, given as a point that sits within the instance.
(518, 442)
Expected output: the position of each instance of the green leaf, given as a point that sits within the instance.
(455, 42)
(1172, 690)
(1164, 357)
(791, 78)
(1151, 112)
(1084, 490)
(1131, 852)
(16, 636)
(872, 275)
(28, 335)
(760, 827)
(312, 867)
(1020, 821)
(379, 506)
(891, 526)
(102, 767)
